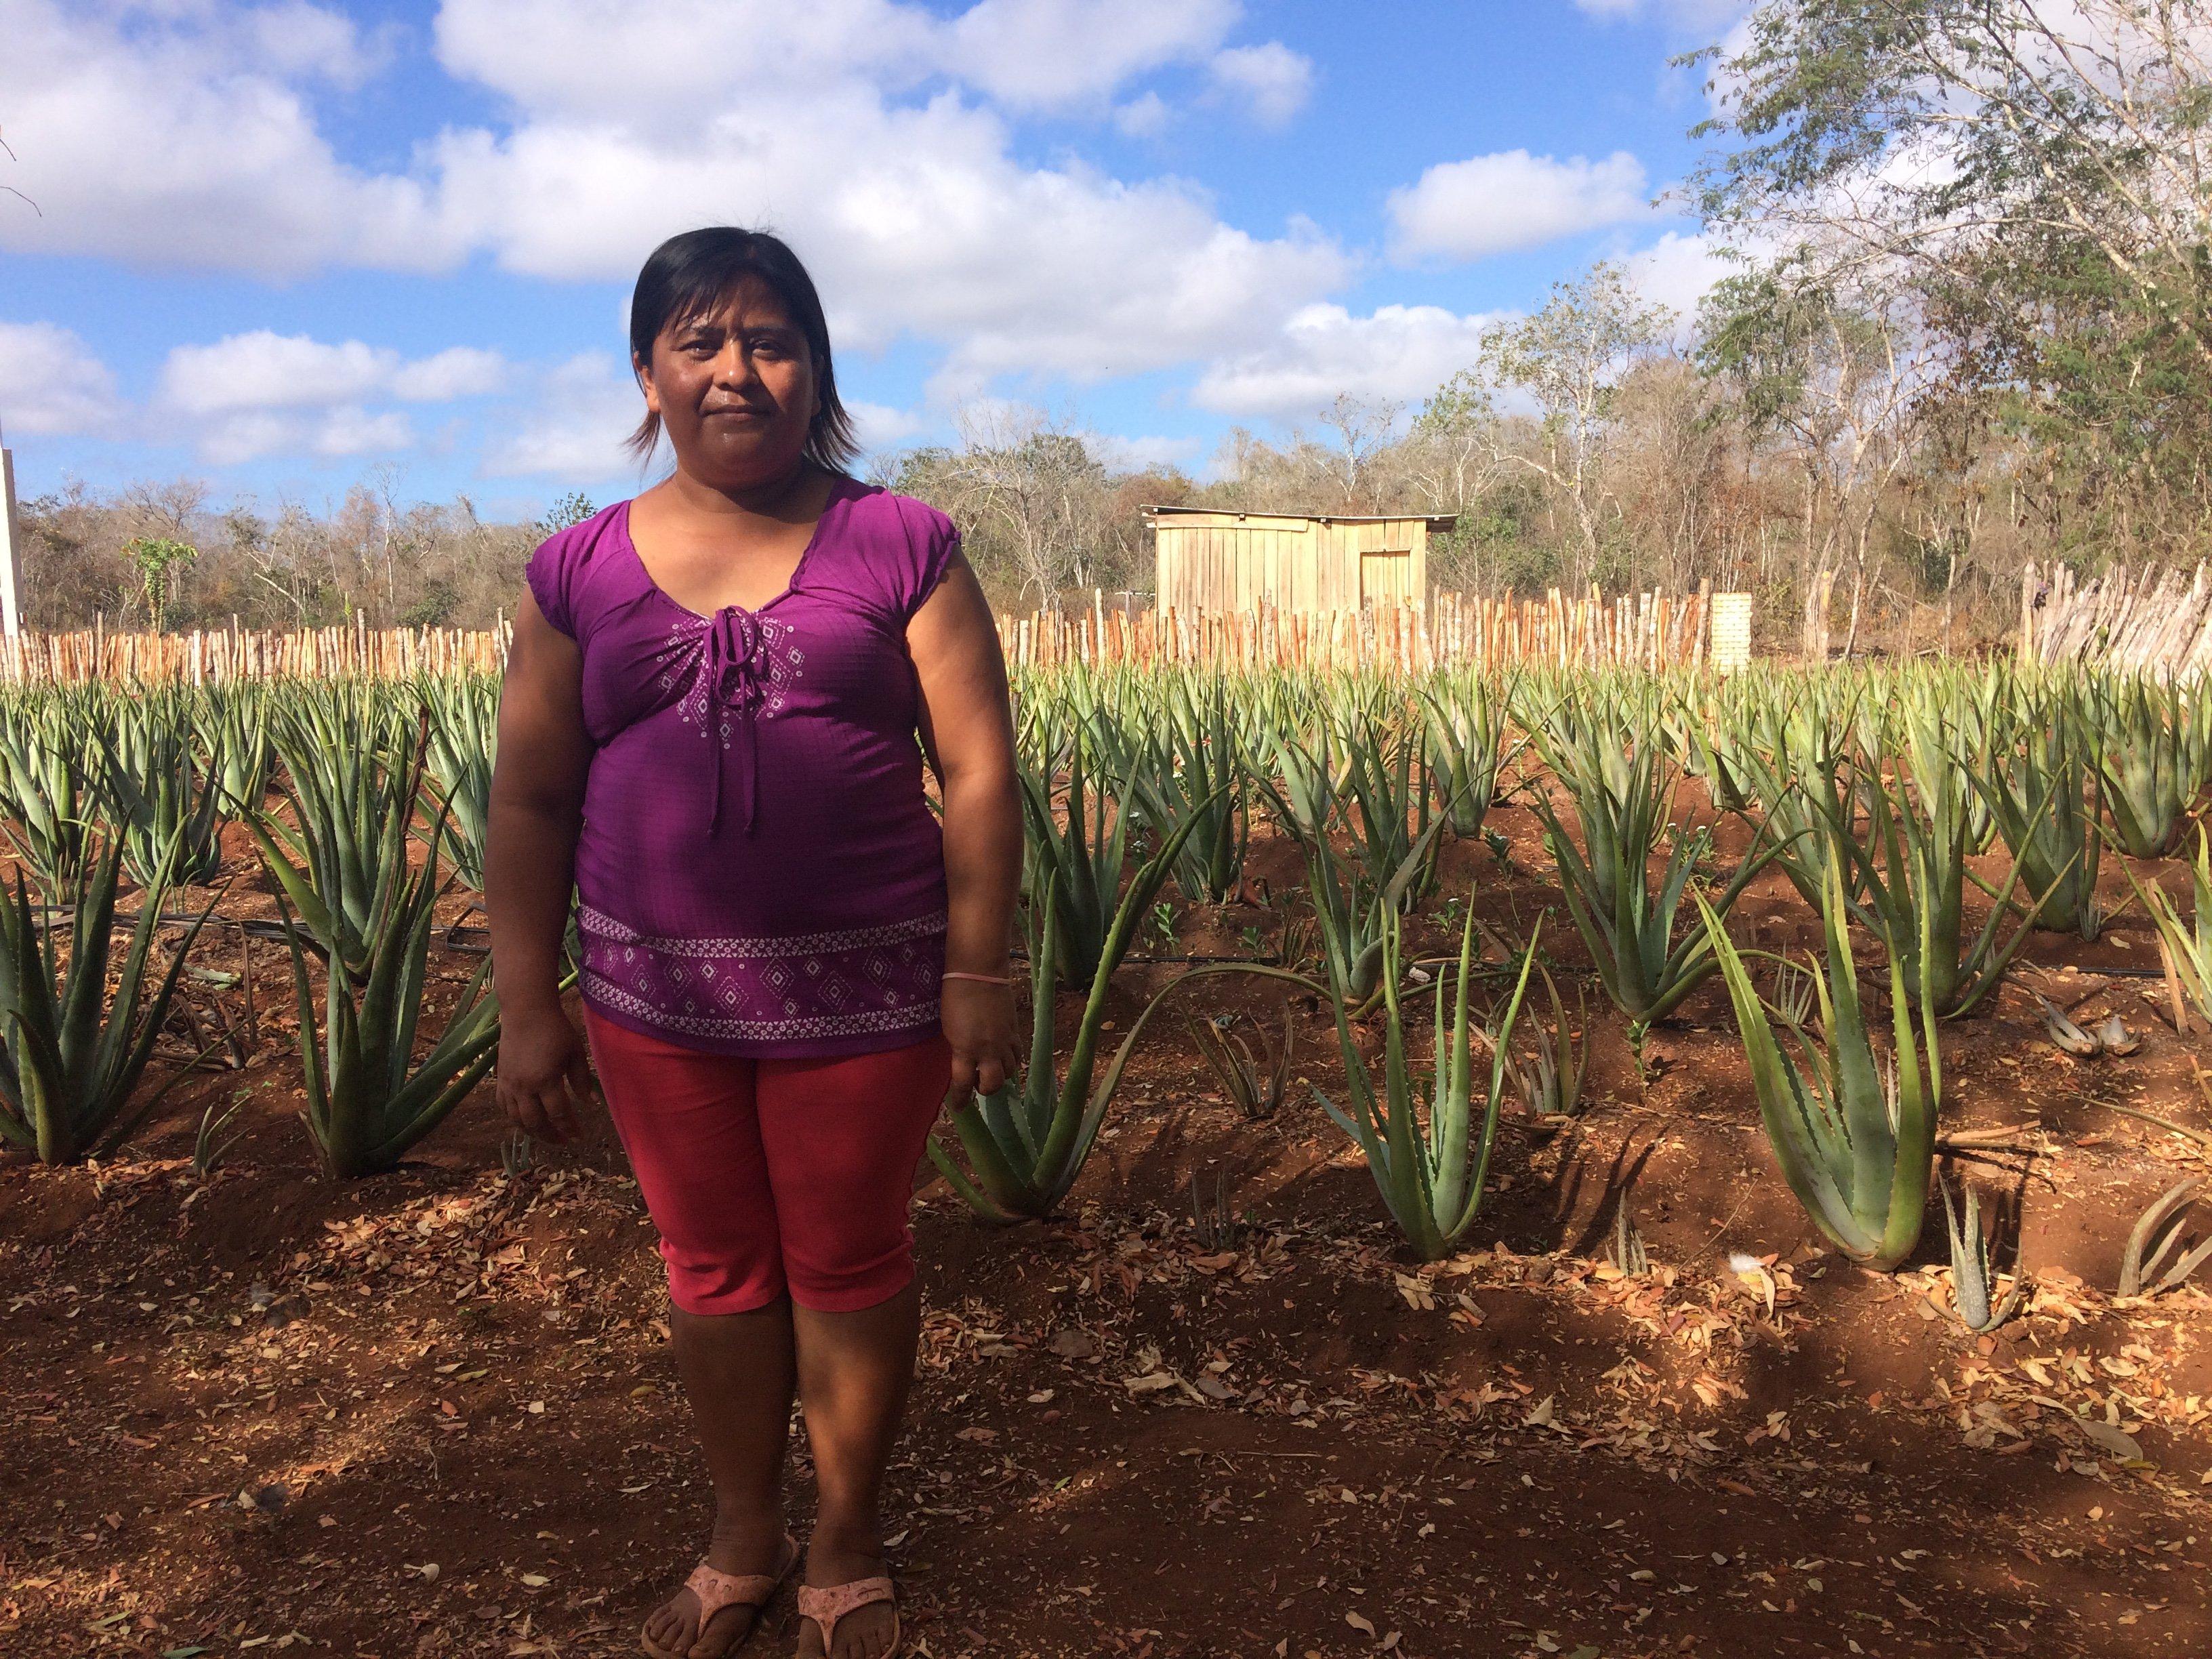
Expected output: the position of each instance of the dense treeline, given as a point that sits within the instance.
(1968, 323)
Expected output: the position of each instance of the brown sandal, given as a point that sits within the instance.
(716, 1589)
(825, 1607)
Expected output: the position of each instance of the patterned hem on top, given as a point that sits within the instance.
(851, 982)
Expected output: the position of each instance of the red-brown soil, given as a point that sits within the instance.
(433, 1412)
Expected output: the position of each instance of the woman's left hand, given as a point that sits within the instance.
(979, 1023)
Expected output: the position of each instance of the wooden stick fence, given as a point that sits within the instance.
(1650, 630)
(202, 656)
(2160, 622)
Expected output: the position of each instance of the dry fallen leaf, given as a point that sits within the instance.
(2118, 1441)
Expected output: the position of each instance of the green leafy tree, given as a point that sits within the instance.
(574, 507)
(153, 557)
(2036, 172)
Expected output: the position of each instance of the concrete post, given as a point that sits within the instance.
(11, 551)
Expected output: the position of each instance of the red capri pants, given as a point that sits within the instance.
(768, 1175)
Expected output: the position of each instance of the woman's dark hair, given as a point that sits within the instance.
(687, 276)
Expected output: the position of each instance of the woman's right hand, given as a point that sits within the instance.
(544, 1074)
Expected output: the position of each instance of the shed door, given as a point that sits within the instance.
(1387, 578)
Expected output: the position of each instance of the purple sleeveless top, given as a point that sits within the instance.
(758, 872)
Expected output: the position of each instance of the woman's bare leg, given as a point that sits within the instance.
(739, 1373)
(853, 1371)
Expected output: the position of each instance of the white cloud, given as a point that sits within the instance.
(246, 435)
(574, 427)
(1145, 116)
(456, 372)
(1066, 53)
(1688, 14)
(1494, 204)
(51, 384)
(1271, 80)
(1401, 353)
(1146, 454)
(915, 220)
(919, 217)
(879, 426)
(1677, 271)
(266, 370)
(702, 57)
(301, 40)
(352, 431)
(175, 136)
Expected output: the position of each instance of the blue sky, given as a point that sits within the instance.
(283, 247)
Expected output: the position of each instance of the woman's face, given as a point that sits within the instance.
(735, 390)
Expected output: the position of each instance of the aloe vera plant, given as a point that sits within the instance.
(1901, 844)
(1427, 1152)
(1468, 748)
(48, 791)
(1026, 1143)
(2143, 762)
(1973, 1274)
(463, 721)
(1351, 894)
(2160, 1257)
(1256, 1089)
(233, 723)
(162, 794)
(1078, 861)
(353, 792)
(1550, 1077)
(1194, 768)
(71, 1054)
(1855, 1141)
(368, 1098)
(1392, 825)
(2185, 947)
(2044, 796)
(1622, 796)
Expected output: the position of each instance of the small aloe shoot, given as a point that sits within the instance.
(1855, 1139)
(1550, 1080)
(1628, 1253)
(1256, 1089)
(1973, 1275)
(2154, 1261)
(1428, 1154)
(215, 1138)
(1213, 1217)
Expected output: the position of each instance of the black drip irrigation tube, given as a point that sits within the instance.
(467, 940)
(463, 940)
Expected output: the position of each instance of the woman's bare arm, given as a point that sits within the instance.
(530, 859)
(967, 726)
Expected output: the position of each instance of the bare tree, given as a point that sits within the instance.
(1569, 358)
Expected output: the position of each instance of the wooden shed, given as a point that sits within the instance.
(1210, 561)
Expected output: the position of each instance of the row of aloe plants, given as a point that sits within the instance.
(1874, 792)
(357, 769)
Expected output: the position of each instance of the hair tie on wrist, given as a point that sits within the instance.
(981, 979)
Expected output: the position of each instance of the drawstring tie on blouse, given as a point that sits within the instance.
(735, 689)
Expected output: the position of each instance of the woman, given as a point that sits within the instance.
(708, 723)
